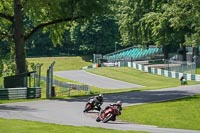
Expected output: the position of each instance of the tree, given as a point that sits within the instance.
(163, 22)
(187, 18)
(20, 19)
(129, 13)
(97, 35)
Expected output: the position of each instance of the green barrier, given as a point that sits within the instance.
(13, 93)
(33, 92)
(20, 93)
(193, 77)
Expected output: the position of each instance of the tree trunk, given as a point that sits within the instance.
(183, 47)
(19, 38)
(195, 51)
(165, 51)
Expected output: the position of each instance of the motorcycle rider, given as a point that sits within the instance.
(98, 101)
(118, 105)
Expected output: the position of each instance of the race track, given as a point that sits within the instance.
(70, 112)
(95, 80)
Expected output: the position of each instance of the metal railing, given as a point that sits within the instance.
(50, 82)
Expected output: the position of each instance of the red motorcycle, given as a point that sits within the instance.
(108, 114)
(91, 105)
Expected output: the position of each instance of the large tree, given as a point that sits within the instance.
(129, 14)
(164, 22)
(20, 19)
(99, 35)
(176, 23)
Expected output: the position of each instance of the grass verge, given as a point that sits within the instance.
(62, 63)
(176, 114)
(183, 113)
(149, 81)
(22, 126)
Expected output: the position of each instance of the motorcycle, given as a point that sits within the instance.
(91, 105)
(108, 114)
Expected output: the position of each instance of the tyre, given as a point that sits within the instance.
(87, 108)
(98, 119)
(107, 118)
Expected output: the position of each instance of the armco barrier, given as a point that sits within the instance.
(33, 92)
(13, 93)
(20, 93)
(158, 71)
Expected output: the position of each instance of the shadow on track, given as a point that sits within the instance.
(15, 108)
(138, 97)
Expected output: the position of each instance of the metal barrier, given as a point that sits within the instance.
(37, 75)
(67, 87)
(49, 81)
(20, 93)
(158, 71)
(25, 85)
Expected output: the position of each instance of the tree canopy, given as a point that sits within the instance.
(20, 19)
(89, 26)
(161, 22)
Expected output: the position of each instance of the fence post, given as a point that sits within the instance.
(39, 75)
(49, 81)
(47, 84)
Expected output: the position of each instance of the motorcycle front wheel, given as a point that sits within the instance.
(107, 118)
(98, 119)
(87, 108)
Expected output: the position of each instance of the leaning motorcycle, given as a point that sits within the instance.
(91, 105)
(108, 114)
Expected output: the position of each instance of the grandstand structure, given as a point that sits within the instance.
(133, 54)
(151, 56)
(151, 60)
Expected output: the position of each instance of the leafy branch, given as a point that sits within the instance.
(8, 17)
(40, 26)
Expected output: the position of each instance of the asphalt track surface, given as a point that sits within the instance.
(70, 112)
(94, 80)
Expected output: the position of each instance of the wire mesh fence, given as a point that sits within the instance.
(171, 65)
(181, 66)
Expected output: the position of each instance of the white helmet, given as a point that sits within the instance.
(100, 95)
(119, 103)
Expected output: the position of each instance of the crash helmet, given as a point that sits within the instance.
(119, 103)
(100, 97)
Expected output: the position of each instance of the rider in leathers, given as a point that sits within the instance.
(119, 108)
(98, 101)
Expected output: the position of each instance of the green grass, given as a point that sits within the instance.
(150, 81)
(62, 63)
(1, 83)
(21, 126)
(183, 114)
(121, 73)
(175, 114)
(198, 70)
